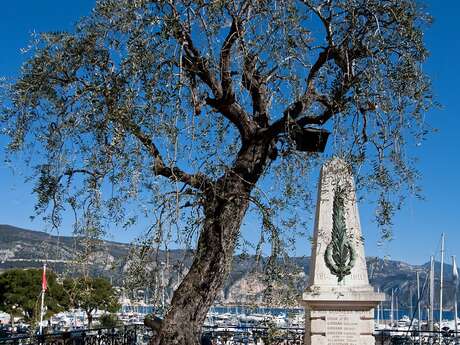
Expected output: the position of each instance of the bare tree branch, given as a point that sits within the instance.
(225, 60)
(255, 84)
(223, 100)
(332, 105)
(175, 174)
(326, 21)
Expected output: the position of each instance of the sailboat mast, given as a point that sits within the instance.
(411, 307)
(382, 311)
(455, 279)
(441, 279)
(378, 310)
(431, 314)
(392, 308)
(418, 308)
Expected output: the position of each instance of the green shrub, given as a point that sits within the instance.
(109, 321)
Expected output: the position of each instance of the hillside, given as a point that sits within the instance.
(21, 248)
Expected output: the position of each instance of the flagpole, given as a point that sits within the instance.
(42, 307)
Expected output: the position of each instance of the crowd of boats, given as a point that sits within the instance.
(230, 318)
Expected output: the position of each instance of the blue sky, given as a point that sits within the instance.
(417, 227)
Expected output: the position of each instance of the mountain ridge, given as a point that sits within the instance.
(23, 248)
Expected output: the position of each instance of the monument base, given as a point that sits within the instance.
(338, 316)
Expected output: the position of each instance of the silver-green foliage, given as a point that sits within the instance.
(126, 116)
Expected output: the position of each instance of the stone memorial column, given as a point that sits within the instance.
(339, 302)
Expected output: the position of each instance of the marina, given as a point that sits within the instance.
(234, 318)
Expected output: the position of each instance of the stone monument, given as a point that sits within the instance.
(339, 302)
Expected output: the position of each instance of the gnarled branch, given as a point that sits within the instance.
(255, 84)
(225, 59)
(198, 181)
(223, 100)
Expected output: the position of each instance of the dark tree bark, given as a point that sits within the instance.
(224, 208)
(89, 315)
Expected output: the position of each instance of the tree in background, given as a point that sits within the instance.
(91, 294)
(20, 292)
(109, 321)
(196, 114)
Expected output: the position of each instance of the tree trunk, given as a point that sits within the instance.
(224, 211)
(90, 319)
(206, 277)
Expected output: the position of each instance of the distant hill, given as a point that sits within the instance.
(28, 244)
(21, 248)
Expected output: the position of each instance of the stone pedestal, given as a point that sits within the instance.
(338, 310)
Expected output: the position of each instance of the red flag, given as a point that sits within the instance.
(44, 285)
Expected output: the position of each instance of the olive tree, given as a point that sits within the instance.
(195, 114)
(91, 294)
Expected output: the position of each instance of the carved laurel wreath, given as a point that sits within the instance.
(340, 254)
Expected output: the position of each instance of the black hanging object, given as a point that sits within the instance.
(310, 139)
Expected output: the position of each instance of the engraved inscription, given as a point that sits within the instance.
(320, 275)
(342, 328)
(357, 276)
